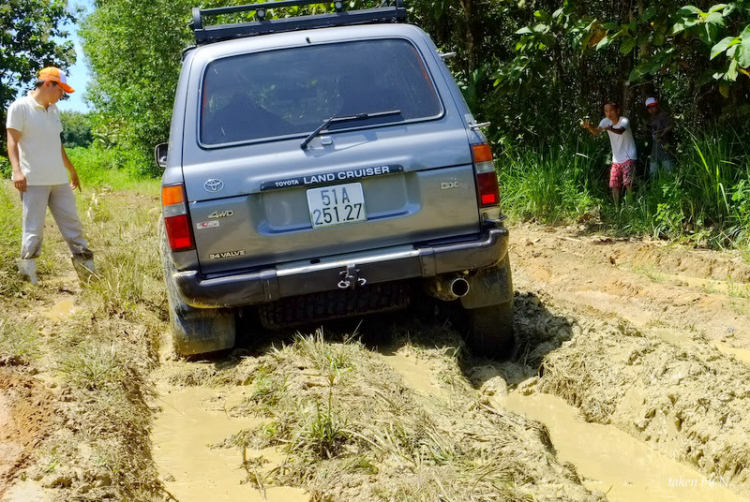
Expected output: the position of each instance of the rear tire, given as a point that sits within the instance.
(491, 331)
(194, 331)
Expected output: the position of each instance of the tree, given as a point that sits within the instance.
(134, 49)
(76, 129)
(28, 29)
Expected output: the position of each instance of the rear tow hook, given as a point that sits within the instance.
(350, 278)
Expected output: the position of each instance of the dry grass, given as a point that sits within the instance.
(19, 342)
(349, 429)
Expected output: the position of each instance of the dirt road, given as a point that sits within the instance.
(633, 356)
(631, 383)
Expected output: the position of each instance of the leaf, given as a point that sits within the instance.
(714, 22)
(649, 13)
(559, 12)
(678, 27)
(549, 39)
(743, 55)
(717, 7)
(689, 9)
(611, 26)
(723, 45)
(745, 72)
(604, 42)
(627, 46)
(541, 28)
(638, 72)
(715, 19)
(524, 31)
(732, 72)
(746, 33)
(724, 89)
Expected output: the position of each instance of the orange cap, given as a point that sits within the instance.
(56, 75)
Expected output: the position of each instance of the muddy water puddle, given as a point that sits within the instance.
(739, 354)
(417, 375)
(61, 310)
(612, 461)
(191, 420)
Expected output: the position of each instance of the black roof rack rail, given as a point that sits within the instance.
(395, 13)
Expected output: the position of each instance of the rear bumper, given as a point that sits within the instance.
(378, 266)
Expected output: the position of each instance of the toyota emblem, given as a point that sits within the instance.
(213, 185)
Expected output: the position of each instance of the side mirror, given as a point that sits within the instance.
(160, 153)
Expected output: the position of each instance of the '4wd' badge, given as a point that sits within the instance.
(213, 185)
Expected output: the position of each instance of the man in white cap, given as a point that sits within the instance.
(40, 172)
(661, 128)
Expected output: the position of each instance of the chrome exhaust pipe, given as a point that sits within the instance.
(459, 287)
(449, 288)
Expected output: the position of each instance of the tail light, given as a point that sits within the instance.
(176, 219)
(488, 191)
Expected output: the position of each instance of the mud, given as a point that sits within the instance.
(26, 418)
(191, 421)
(658, 355)
(631, 383)
(612, 461)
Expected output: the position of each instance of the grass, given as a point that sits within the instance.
(19, 341)
(102, 168)
(10, 243)
(706, 201)
(349, 429)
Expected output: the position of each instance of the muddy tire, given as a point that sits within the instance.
(491, 331)
(194, 331)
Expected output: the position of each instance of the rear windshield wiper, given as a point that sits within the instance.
(345, 118)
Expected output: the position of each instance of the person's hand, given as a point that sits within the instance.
(74, 181)
(586, 124)
(19, 180)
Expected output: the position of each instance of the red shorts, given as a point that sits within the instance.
(622, 174)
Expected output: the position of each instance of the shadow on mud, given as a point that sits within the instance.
(430, 326)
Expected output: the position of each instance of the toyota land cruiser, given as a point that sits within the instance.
(326, 166)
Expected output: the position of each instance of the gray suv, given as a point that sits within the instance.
(326, 166)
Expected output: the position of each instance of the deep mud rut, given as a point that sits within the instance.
(631, 383)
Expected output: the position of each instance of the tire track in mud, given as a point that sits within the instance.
(661, 380)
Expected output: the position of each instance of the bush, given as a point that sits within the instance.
(5, 169)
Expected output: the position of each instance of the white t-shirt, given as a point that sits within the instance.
(39, 150)
(623, 145)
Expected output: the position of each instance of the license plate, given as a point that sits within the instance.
(337, 204)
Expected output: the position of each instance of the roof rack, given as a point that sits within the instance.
(208, 34)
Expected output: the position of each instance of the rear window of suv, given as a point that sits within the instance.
(292, 91)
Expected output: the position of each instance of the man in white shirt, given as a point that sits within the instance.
(40, 172)
(624, 152)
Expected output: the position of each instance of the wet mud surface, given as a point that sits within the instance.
(631, 382)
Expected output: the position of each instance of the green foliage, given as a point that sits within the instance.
(706, 200)
(116, 168)
(29, 42)
(5, 169)
(551, 183)
(663, 38)
(76, 129)
(134, 51)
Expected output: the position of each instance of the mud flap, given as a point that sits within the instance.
(202, 331)
(489, 286)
